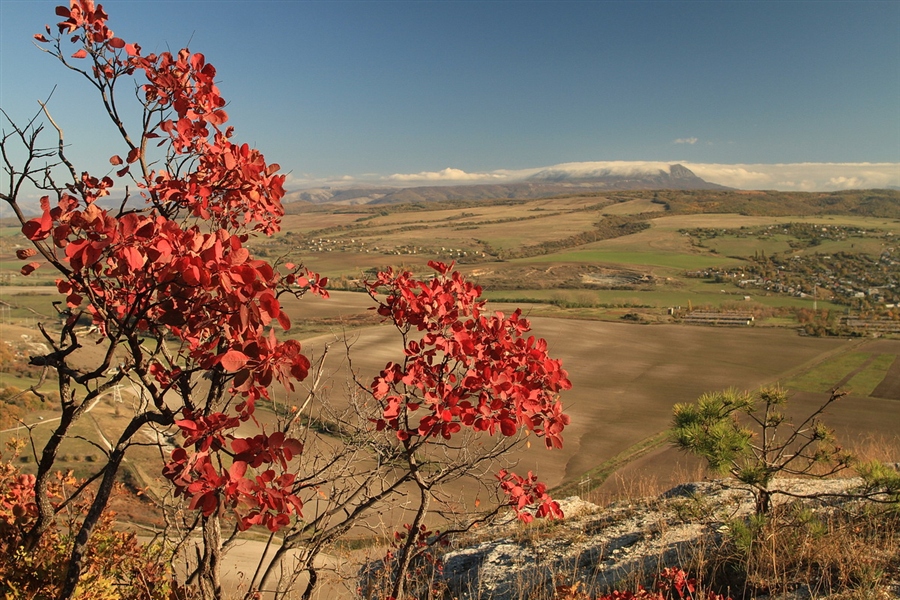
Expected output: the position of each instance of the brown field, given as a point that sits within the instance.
(627, 377)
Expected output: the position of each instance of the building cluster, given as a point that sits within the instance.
(316, 245)
(850, 278)
(843, 278)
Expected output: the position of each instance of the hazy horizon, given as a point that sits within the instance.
(806, 177)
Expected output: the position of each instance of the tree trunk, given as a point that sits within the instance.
(208, 569)
(76, 559)
(45, 511)
(763, 501)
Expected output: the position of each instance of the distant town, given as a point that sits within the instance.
(859, 280)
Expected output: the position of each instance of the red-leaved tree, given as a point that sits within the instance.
(187, 314)
(462, 369)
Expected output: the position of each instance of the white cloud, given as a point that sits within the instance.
(690, 140)
(801, 176)
(846, 183)
(448, 175)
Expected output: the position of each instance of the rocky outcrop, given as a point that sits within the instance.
(602, 548)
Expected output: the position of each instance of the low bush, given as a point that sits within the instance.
(117, 567)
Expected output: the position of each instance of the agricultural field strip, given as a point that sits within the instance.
(860, 372)
(870, 378)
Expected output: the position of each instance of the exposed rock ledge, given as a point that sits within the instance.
(605, 547)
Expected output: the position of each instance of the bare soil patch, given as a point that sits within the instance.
(544, 276)
(626, 378)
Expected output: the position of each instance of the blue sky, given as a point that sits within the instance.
(795, 95)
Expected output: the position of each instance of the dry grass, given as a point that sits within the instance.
(848, 552)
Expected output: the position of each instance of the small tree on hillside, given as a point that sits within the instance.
(750, 438)
(187, 315)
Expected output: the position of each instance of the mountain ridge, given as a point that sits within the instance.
(548, 182)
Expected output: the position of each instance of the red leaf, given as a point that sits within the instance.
(30, 267)
(40, 37)
(186, 424)
(237, 470)
(217, 117)
(116, 43)
(32, 230)
(292, 448)
(191, 275)
(115, 160)
(80, 54)
(233, 360)
(38, 229)
(240, 445)
(134, 258)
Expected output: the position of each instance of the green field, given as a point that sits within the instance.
(856, 372)
(865, 382)
(828, 374)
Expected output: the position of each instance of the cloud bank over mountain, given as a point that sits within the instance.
(801, 177)
(784, 177)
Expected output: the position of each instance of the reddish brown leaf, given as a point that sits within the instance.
(233, 360)
(34, 230)
(30, 267)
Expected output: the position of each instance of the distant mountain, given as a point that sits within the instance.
(549, 182)
(678, 177)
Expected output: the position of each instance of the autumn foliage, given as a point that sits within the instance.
(464, 368)
(119, 567)
(187, 314)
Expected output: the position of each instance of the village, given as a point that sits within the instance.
(858, 280)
